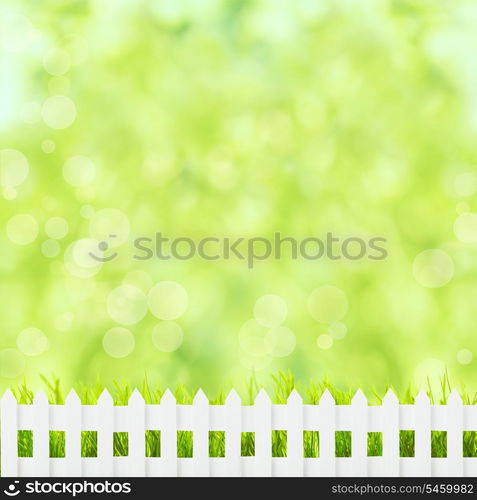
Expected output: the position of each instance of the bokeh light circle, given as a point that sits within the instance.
(56, 228)
(14, 168)
(167, 336)
(324, 341)
(338, 330)
(79, 171)
(465, 184)
(252, 338)
(50, 248)
(127, 305)
(280, 342)
(107, 222)
(22, 229)
(168, 300)
(32, 342)
(465, 356)
(118, 342)
(9, 193)
(270, 310)
(433, 268)
(58, 112)
(327, 304)
(56, 61)
(79, 260)
(465, 227)
(16, 32)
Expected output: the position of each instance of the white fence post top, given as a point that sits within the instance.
(105, 398)
(327, 398)
(359, 398)
(422, 398)
(294, 397)
(233, 397)
(72, 398)
(168, 397)
(8, 397)
(262, 398)
(40, 397)
(136, 398)
(390, 398)
(200, 398)
(454, 398)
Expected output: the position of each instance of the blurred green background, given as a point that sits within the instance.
(237, 118)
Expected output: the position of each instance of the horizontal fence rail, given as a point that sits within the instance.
(233, 419)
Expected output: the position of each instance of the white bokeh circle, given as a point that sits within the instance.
(280, 342)
(252, 337)
(167, 336)
(58, 112)
(465, 227)
(50, 248)
(107, 222)
(118, 342)
(270, 310)
(79, 171)
(79, 258)
(127, 304)
(465, 184)
(56, 228)
(14, 168)
(324, 341)
(168, 300)
(465, 356)
(433, 268)
(16, 32)
(56, 61)
(32, 342)
(338, 330)
(22, 229)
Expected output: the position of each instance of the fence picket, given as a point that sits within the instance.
(455, 427)
(169, 434)
(137, 435)
(41, 435)
(327, 435)
(295, 435)
(201, 434)
(359, 434)
(263, 435)
(73, 434)
(105, 426)
(233, 434)
(390, 426)
(8, 435)
(422, 435)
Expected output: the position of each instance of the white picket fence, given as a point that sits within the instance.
(233, 418)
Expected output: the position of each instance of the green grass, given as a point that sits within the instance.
(283, 385)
